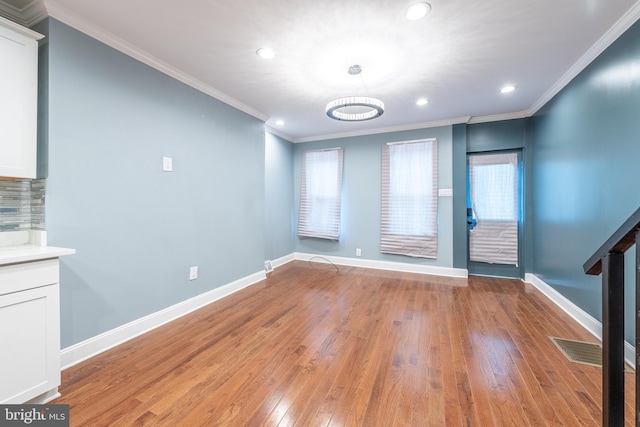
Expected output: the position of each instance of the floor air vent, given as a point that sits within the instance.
(580, 351)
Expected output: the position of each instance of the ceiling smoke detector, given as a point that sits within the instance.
(354, 70)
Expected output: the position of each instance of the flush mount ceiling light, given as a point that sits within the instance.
(280, 122)
(265, 53)
(417, 11)
(355, 108)
(508, 89)
(422, 101)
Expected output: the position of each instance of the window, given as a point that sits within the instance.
(409, 217)
(321, 194)
(494, 194)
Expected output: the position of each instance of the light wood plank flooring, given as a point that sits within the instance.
(310, 346)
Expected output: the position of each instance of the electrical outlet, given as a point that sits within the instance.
(167, 164)
(268, 266)
(358, 252)
(193, 273)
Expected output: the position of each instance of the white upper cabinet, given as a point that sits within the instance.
(18, 100)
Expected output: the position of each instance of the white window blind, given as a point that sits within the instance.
(409, 217)
(494, 197)
(321, 194)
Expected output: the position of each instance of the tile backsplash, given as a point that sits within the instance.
(22, 205)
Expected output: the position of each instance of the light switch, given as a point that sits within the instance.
(167, 164)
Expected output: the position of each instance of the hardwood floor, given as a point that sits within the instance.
(310, 346)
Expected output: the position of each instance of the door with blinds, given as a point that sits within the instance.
(493, 214)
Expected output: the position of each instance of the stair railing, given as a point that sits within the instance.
(609, 261)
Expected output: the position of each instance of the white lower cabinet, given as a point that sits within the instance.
(29, 331)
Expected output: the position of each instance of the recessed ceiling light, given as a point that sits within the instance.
(508, 89)
(265, 53)
(417, 11)
(422, 101)
(280, 122)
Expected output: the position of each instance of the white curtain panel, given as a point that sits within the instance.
(409, 217)
(321, 194)
(494, 197)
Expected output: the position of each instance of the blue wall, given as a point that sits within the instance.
(361, 196)
(43, 100)
(232, 201)
(482, 137)
(586, 149)
(510, 135)
(279, 197)
(459, 172)
(492, 136)
(137, 229)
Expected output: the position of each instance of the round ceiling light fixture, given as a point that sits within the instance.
(417, 11)
(422, 101)
(355, 108)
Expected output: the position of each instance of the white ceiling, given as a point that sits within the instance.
(458, 56)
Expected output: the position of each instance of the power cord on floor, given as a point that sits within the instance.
(323, 258)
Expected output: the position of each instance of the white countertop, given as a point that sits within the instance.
(26, 253)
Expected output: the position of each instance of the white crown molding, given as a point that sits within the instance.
(34, 13)
(413, 126)
(84, 350)
(278, 133)
(37, 10)
(21, 29)
(73, 20)
(27, 16)
(622, 25)
(500, 117)
(425, 125)
(593, 326)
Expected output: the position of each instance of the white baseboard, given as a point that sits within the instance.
(84, 350)
(77, 353)
(579, 315)
(44, 397)
(282, 261)
(386, 265)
